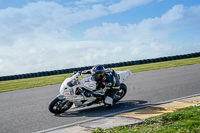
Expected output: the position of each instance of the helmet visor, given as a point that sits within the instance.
(98, 76)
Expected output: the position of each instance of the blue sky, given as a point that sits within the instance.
(42, 35)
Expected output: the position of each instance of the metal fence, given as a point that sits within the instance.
(112, 65)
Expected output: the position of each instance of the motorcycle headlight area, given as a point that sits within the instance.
(72, 83)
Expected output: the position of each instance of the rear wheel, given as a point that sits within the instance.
(58, 106)
(121, 93)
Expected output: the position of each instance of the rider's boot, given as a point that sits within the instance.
(108, 102)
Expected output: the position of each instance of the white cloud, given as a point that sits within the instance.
(150, 28)
(50, 18)
(105, 30)
(177, 18)
(35, 38)
(150, 36)
(174, 14)
(26, 59)
(127, 4)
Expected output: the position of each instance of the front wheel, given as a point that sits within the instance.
(58, 106)
(121, 93)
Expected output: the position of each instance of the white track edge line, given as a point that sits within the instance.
(112, 114)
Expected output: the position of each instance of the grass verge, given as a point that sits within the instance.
(57, 79)
(181, 121)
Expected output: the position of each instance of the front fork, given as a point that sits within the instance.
(64, 100)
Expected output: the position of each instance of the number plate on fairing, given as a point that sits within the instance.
(68, 92)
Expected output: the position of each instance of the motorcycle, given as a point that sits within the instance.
(71, 92)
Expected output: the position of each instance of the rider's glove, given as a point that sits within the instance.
(75, 72)
(80, 72)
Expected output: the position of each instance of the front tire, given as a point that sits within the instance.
(58, 106)
(121, 93)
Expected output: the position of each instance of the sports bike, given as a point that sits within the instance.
(72, 89)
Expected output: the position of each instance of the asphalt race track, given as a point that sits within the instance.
(26, 110)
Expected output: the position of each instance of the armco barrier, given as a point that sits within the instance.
(111, 65)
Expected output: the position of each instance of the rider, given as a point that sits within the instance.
(105, 78)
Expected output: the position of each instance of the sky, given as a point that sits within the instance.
(44, 35)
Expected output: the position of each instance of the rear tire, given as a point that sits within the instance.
(121, 93)
(58, 106)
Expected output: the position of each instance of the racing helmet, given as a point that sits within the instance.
(98, 72)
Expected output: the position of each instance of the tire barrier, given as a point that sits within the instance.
(111, 65)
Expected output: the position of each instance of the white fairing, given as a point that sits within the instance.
(69, 86)
(68, 90)
(63, 85)
(88, 83)
(67, 80)
(124, 75)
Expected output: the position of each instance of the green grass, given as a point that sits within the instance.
(19, 84)
(182, 121)
(160, 65)
(57, 79)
